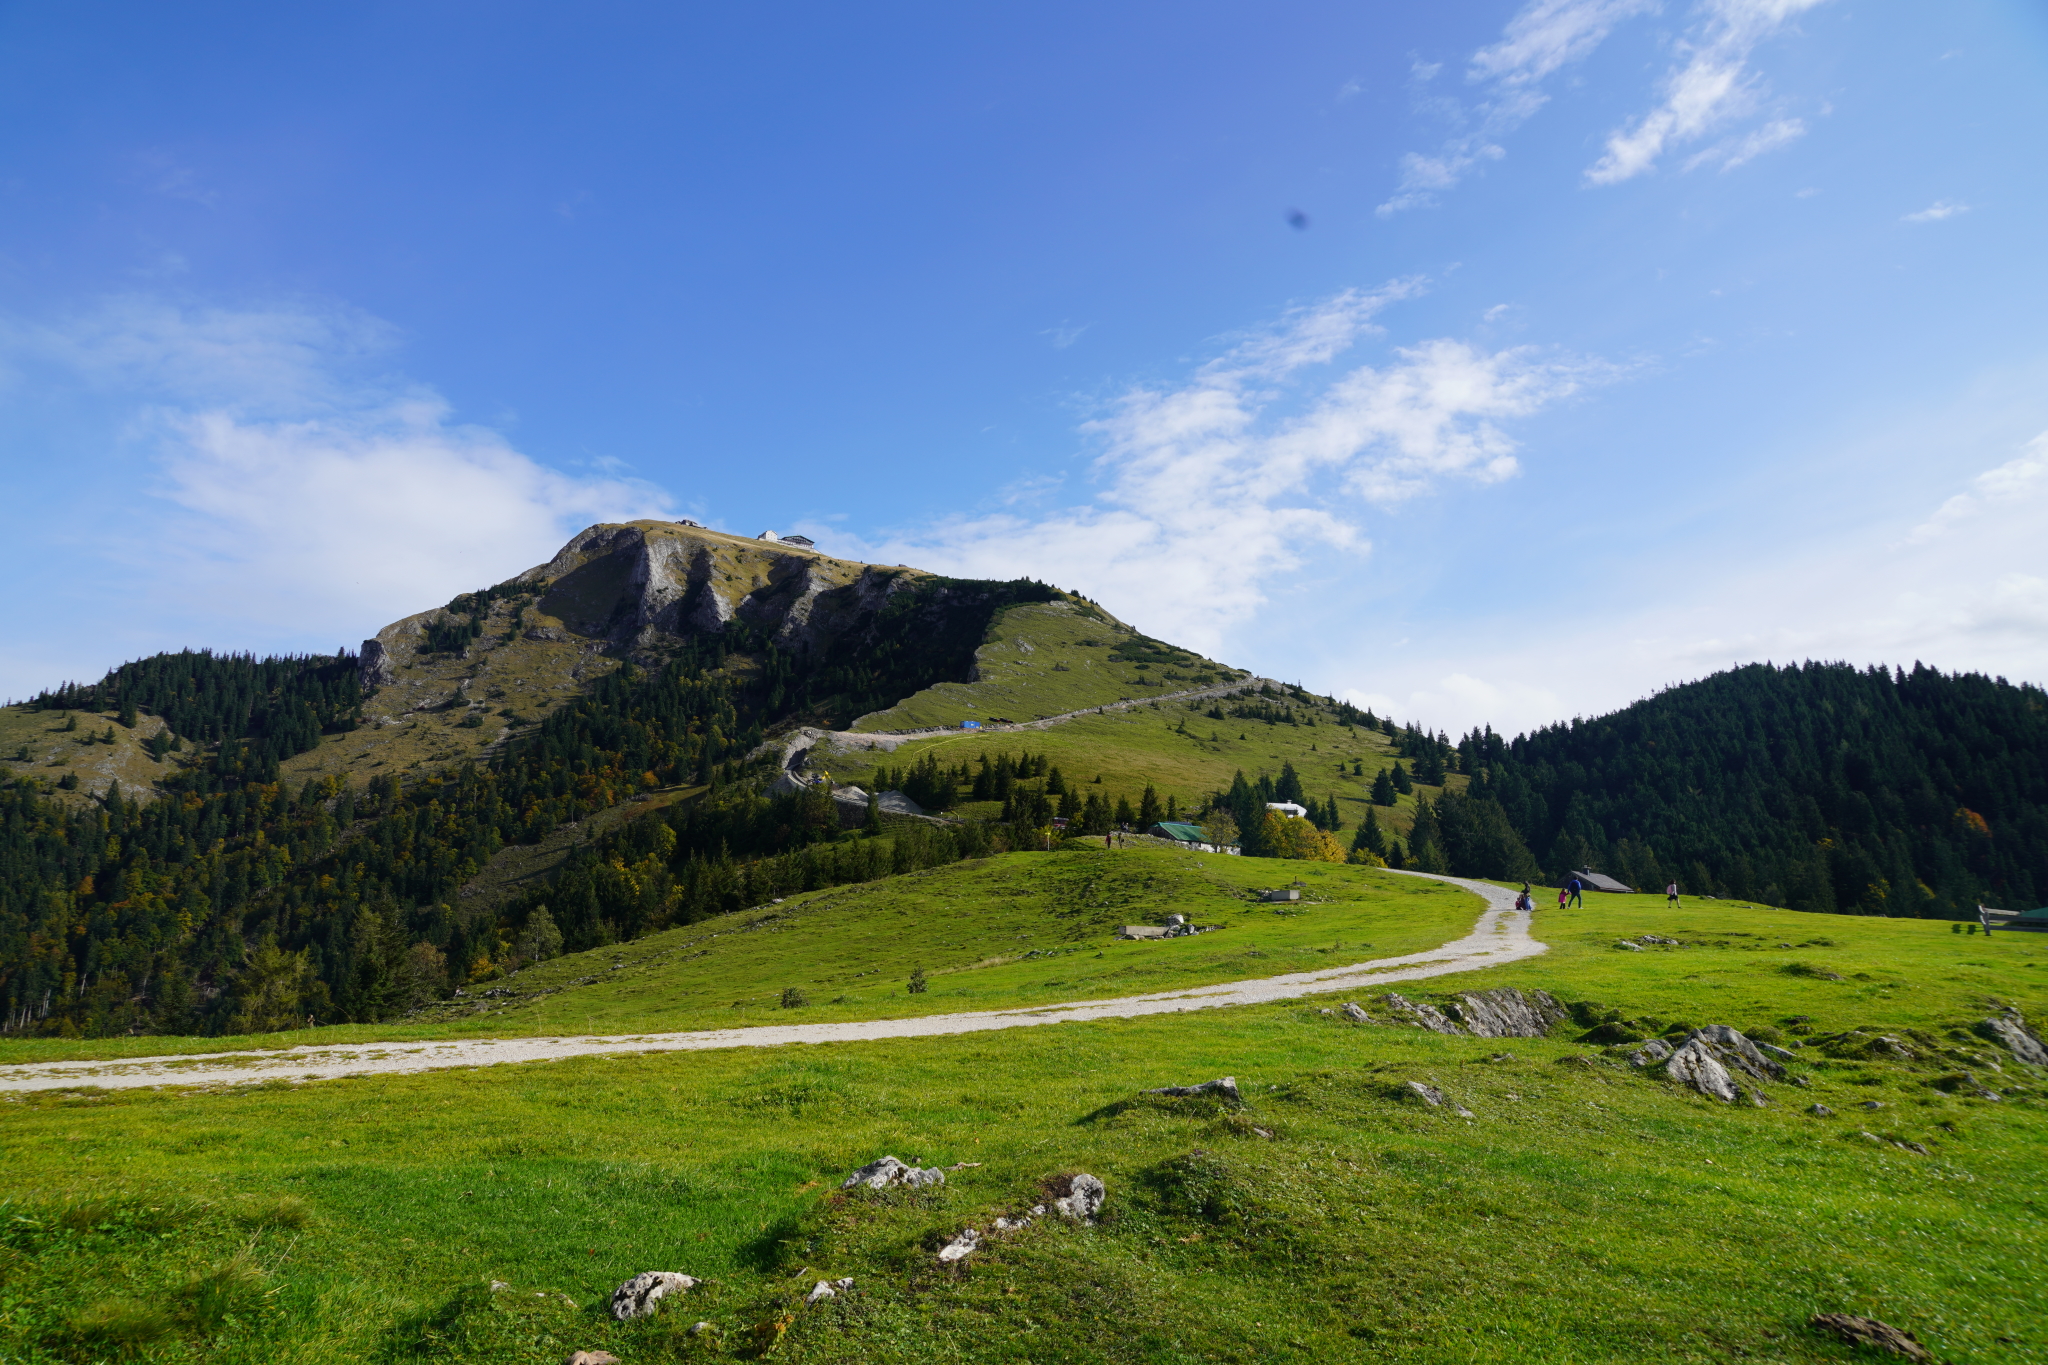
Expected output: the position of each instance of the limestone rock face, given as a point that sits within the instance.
(1083, 1200)
(2011, 1032)
(1739, 1051)
(885, 1171)
(1508, 1013)
(636, 1297)
(1424, 1016)
(1650, 1053)
(1695, 1065)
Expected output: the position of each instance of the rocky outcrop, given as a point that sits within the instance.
(1695, 1065)
(1507, 1013)
(885, 1171)
(1079, 1197)
(637, 1297)
(1420, 1015)
(2009, 1030)
(1859, 1331)
(1223, 1088)
(961, 1247)
(1436, 1099)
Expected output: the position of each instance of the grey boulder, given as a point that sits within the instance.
(1421, 1015)
(1436, 1099)
(2009, 1031)
(1507, 1013)
(1695, 1065)
(1083, 1199)
(1355, 1014)
(827, 1289)
(960, 1247)
(637, 1297)
(1650, 1053)
(885, 1171)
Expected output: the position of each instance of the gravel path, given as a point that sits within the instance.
(1500, 936)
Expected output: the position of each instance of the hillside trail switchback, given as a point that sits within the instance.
(1500, 936)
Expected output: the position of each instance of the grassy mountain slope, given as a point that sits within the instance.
(1046, 659)
(1015, 930)
(1587, 1212)
(88, 753)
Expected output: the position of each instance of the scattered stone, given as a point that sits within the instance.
(1656, 938)
(1871, 1137)
(591, 1358)
(1820, 1111)
(1871, 1104)
(636, 1297)
(1355, 1014)
(1870, 1332)
(1906, 1146)
(1695, 1065)
(1631, 947)
(1507, 1013)
(699, 1328)
(960, 1247)
(1422, 1016)
(885, 1171)
(1083, 1198)
(827, 1289)
(1436, 1099)
(1326, 1011)
(499, 1286)
(2010, 1031)
(1650, 1053)
(1757, 1097)
(1781, 1054)
(1225, 1086)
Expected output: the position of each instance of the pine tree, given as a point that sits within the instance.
(1383, 793)
(1149, 811)
(1402, 784)
(1288, 788)
(1124, 814)
(1370, 838)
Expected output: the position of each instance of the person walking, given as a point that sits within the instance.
(1574, 886)
(1562, 894)
(1671, 896)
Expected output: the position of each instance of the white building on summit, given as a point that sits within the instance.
(804, 541)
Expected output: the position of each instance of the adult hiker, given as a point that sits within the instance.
(1671, 896)
(1573, 887)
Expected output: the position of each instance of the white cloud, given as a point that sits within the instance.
(1936, 211)
(299, 492)
(1212, 488)
(1711, 88)
(1066, 334)
(1966, 588)
(1542, 37)
(1736, 151)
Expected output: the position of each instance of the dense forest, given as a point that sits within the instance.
(1819, 786)
(235, 903)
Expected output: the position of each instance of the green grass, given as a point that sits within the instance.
(1588, 1213)
(1046, 659)
(1016, 930)
(1145, 745)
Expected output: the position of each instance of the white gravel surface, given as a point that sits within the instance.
(1500, 936)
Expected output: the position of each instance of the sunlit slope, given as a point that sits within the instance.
(1018, 929)
(1049, 658)
(1587, 1211)
(1179, 749)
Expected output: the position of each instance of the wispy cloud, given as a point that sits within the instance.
(1936, 211)
(1211, 488)
(299, 488)
(1736, 151)
(1066, 334)
(1542, 37)
(1712, 87)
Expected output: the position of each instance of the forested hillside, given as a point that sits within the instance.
(1819, 786)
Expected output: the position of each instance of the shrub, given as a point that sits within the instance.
(793, 998)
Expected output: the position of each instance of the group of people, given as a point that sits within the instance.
(1570, 894)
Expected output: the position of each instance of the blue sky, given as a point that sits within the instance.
(1488, 363)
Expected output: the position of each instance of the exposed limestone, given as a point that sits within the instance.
(1740, 1052)
(1507, 1013)
(1223, 1087)
(827, 1289)
(960, 1247)
(1695, 1064)
(1082, 1200)
(1858, 1331)
(1420, 1015)
(885, 1171)
(1436, 1099)
(637, 1297)
(2009, 1031)
(1355, 1014)
(1650, 1053)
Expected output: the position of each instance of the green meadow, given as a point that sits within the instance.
(1019, 929)
(1586, 1212)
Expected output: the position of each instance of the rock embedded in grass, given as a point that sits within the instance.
(636, 1298)
(1507, 1013)
(1859, 1331)
(1695, 1065)
(1650, 1053)
(1420, 1015)
(1436, 1099)
(1081, 1199)
(827, 1289)
(2010, 1031)
(1224, 1087)
(885, 1171)
(960, 1247)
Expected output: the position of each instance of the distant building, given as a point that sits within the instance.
(767, 535)
(2034, 920)
(1595, 882)
(685, 521)
(1288, 808)
(1177, 831)
(804, 541)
